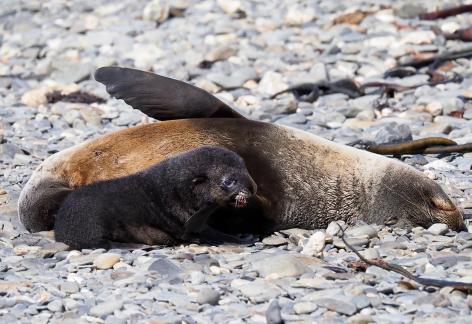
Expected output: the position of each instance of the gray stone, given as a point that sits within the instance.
(409, 10)
(336, 305)
(272, 313)
(70, 72)
(275, 240)
(234, 80)
(282, 265)
(55, 306)
(208, 296)
(128, 118)
(370, 253)
(280, 106)
(438, 229)
(361, 231)
(156, 10)
(165, 268)
(304, 307)
(106, 308)
(71, 115)
(69, 287)
(258, 290)
(333, 229)
(393, 133)
(292, 119)
(315, 244)
(106, 260)
(197, 277)
(9, 150)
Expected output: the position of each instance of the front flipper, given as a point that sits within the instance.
(160, 97)
(198, 221)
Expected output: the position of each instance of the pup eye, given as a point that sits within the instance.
(228, 183)
(198, 180)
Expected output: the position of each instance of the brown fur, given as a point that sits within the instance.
(303, 180)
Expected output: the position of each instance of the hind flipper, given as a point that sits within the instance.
(160, 97)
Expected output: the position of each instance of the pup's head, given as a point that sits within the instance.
(214, 175)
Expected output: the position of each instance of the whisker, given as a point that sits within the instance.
(401, 196)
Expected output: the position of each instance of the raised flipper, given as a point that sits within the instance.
(160, 97)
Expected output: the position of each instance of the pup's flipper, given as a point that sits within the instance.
(160, 97)
(198, 221)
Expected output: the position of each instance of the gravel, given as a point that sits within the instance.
(243, 52)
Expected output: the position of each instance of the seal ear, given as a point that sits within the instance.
(160, 97)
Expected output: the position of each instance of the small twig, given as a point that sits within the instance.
(309, 92)
(464, 35)
(437, 60)
(433, 15)
(387, 85)
(399, 269)
(432, 144)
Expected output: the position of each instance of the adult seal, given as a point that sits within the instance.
(167, 203)
(303, 180)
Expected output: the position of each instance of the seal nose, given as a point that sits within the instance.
(462, 228)
(449, 214)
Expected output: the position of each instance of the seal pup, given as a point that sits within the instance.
(164, 204)
(303, 180)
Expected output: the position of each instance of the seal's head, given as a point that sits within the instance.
(214, 175)
(412, 199)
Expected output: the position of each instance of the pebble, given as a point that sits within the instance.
(156, 10)
(315, 244)
(69, 287)
(333, 229)
(361, 231)
(106, 260)
(271, 83)
(258, 290)
(297, 16)
(230, 6)
(233, 80)
(55, 306)
(438, 229)
(272, 313)
(208, 296)
(370, 253)
(243, 52)
(304, 308)
(282, 265)
(164, 267)
(274, 240)
(105, 308)
(336, 305)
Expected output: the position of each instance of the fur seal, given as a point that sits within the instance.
(164, 204)
(303, 180)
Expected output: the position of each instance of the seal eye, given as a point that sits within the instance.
(198, 180)
(228, 183)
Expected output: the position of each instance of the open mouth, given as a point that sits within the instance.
(239, 200)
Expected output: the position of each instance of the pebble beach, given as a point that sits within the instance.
(243, 52)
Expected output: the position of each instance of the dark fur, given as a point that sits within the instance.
(155, 205)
